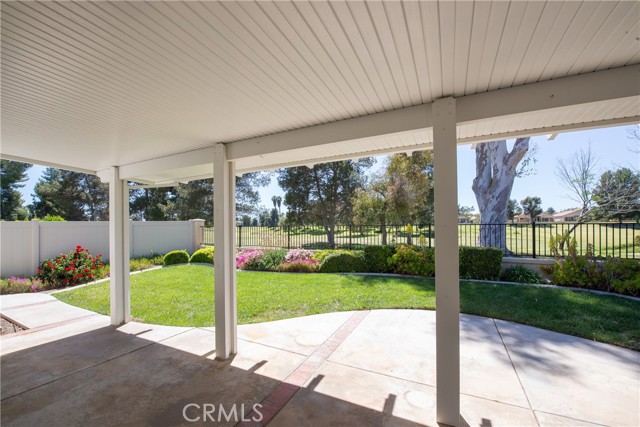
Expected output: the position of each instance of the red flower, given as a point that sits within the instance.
(67, 269)
(39, 271)
(57, 261)
(93, 267)
(86, 270)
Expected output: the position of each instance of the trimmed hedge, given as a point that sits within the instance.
(475, 263)
(343, 262)
(176, 257)
(204, 255)
(376, 258)
(413, 260)
(480, 263)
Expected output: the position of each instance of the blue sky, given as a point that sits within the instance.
(610, 145)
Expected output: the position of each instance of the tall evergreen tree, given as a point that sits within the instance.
(72, 195)
(195, 199)
(12, 177)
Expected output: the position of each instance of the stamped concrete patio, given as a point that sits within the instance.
(368, 368)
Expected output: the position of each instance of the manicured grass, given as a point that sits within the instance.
(183, 296)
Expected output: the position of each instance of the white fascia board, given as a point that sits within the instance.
(386, 123)
(474, 140)
(175, 161)
(328, 159)
(48, 164)
(616, 83)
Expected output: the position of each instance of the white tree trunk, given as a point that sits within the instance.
(496, 169)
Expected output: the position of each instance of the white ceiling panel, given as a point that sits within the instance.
(97, 84)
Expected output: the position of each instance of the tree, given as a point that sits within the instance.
(150, 204)
(496, 170)
(578, 178)
(513, 209)
(617, 195)
(465, 211)
(532, 206)
(370, 205)
(323, 192)
(550, 210)
(194, 199)
(409, 181)
(277, 202)
(12, 177)
(74, 196)
(274, 218)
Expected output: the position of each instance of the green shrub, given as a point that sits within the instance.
(521, 274)
(480, 263)
(376, 258)
(413, 260)
(69, 269)
(622, 275)
(50, 217)
(343, 262)
(321, 255)
(142, 263)
(19, 285)
(271, 260)
(203, 255)
(299, 266)
(176, 257)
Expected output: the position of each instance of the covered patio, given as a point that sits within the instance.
(364, 368)
(158, 93)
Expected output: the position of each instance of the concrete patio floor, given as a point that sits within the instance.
(368, 368)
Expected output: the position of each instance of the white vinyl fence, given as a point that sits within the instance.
(24, 245)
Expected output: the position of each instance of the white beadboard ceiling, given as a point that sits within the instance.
(89, 85)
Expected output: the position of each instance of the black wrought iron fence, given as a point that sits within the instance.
(526, 239)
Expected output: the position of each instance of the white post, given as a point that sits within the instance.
(447, 261)
(35, 244)
(119, 247)
(197, 226)
(224, 239)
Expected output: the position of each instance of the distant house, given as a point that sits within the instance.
(567, 215)
(464, 220)
(526, 219)
(544, 217)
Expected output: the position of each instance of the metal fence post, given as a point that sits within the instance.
(288, 236)
(239, 236)
(533, 235)
(350, 233)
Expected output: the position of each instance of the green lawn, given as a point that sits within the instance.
(183, 296)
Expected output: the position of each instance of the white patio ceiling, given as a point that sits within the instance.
(90, 85)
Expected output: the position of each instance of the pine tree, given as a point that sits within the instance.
(12, 176)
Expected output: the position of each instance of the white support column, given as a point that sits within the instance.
(224, 239)
(119, 248)
(447, 274)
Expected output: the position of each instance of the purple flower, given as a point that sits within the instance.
(298, 255)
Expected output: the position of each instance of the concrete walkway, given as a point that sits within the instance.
(368, 368)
